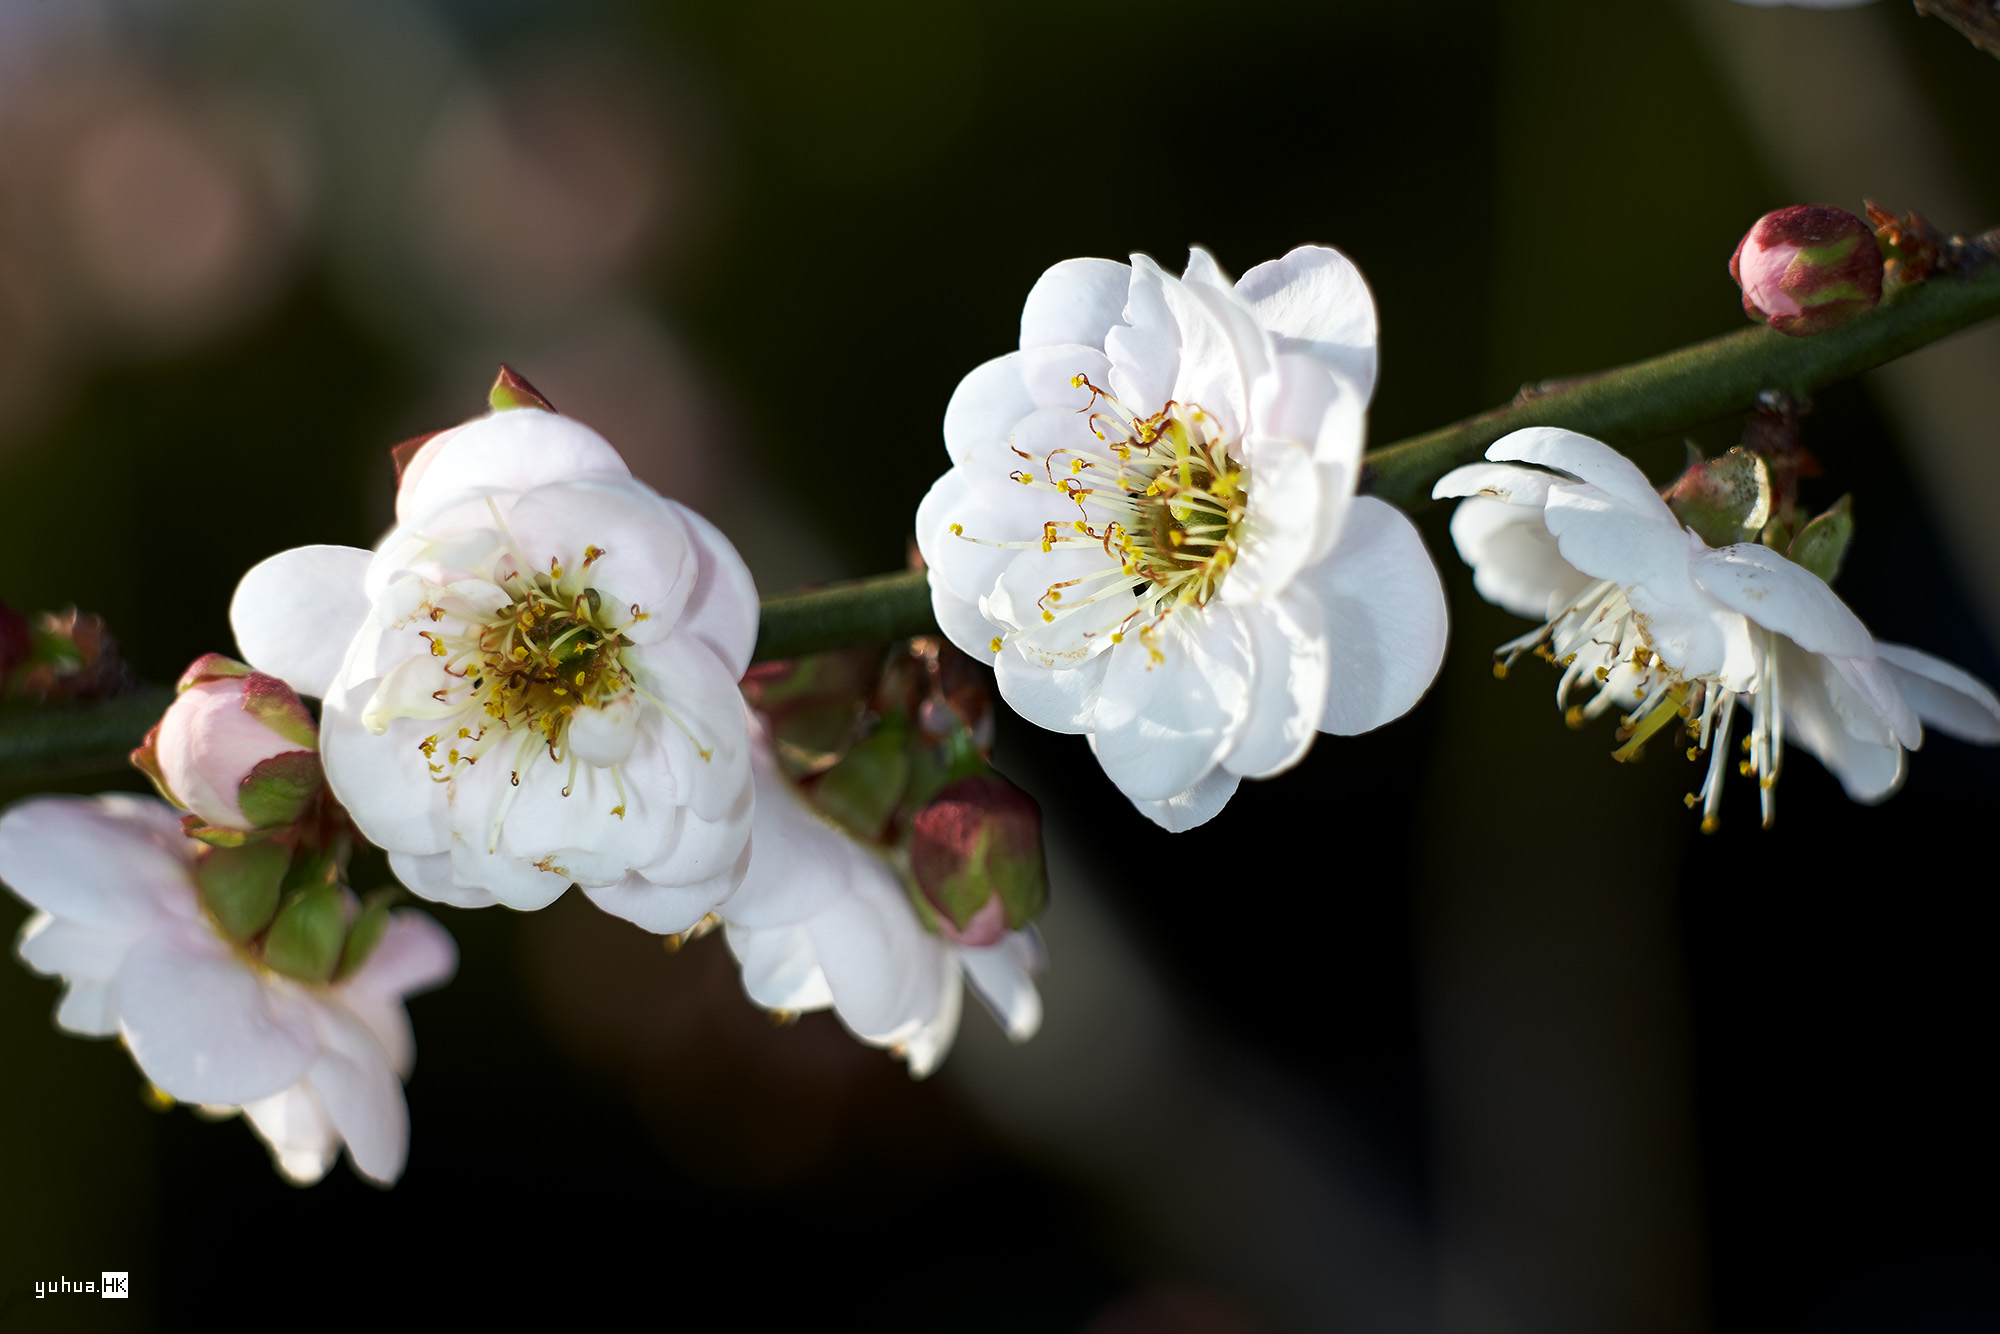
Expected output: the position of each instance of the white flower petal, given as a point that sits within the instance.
(1061, 699)
(89, 1009)
(880, 965)
(415, 954)
(385, 781)
(361, 1094)
(780, 966)
(986, 406)
(799, 863)
(1283, 519)
(647, 570)
(926, 1048)
(704, 736)
(1588, 460)
(1514, 559)
(103, 863)
(294, 614)
(300, 1135)
(429, 875)
(999, 979)
(1948, 698)
(701, 850)
(511, 451)
(516, 883)
(1076, 301)
(1383, 612)
(1778, 595)
(1606, 538)
(722, 611)
(1162, 725)
(668, 909)
(1826, 718)
(1145, 351)
(1289, 647)
(51, 946)
(1503, 482)
(203, 1026)
(1317, 303)
(1196, 805)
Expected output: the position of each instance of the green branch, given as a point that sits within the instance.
(1695, 385)
(58, 740)
(1703, 383)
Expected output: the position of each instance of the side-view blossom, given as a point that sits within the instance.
(824, 919)
(296, 1020)
(1150, 528)
(531, 681)
(1671, 630)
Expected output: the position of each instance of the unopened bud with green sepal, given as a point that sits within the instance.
(976, 854)
(1807, 269)
(1724, 500)
(237, 748)
(1822, 544)
(863, 791)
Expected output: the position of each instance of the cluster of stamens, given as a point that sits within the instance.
(524, 669)
(1163, 499)
(1599, 635)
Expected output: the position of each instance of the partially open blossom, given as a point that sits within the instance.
(236, 747)
(824, 919)
(1675, 633)
(311, 1043)
(1150, 526)
(532, 680)
(1807, 269)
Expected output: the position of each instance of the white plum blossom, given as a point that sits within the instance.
(1150, 526)
(532, 680)
(120, 918)
(823, 920)
(1669, 630)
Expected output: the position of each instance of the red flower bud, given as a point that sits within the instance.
(1807, 269)
(976, 853)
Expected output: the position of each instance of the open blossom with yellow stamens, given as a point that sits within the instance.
(1150, 526)
(532, 680)
(1674, 633)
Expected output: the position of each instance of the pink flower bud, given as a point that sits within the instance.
(1807, 269)
(976, 853)
(237, 748)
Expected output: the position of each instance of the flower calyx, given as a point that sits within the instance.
(239, 751)
(1724, 500)
(1808, 269)
(895, 750)
(1821, 545)
(285, 907)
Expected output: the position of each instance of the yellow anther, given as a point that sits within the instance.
(453, 756)
(437, 648)
(1499, 671)
(1117, 638)
(1046, 548)
(1603, 674)
(555, 569)
(1575, 715)
(1077, 381)
(1024, 479)
(1768, 782)
(618, 811)
(1744, 767)
(1690, 799)
(591, 555)
(579, 678)
(520, 654)
(1048, 616)
(1710, 824)
(958, 530)
(995, 645)
(1075, 467)
(1081, 526)
(464, 732)
(1055, 595)
(1693, 751)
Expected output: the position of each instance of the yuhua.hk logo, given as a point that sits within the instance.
(110, 1283)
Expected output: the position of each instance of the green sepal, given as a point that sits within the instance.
(367, 932)
(278, 788)
(864, 789)
(211, 667)
(511, 391)
(240, 885)
(277, 706)
(1776, 536)
(305, 941)
(1724, 500)
(219, 836)
(1822, 544)
(934, 768)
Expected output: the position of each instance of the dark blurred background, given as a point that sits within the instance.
(1459, 1028)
